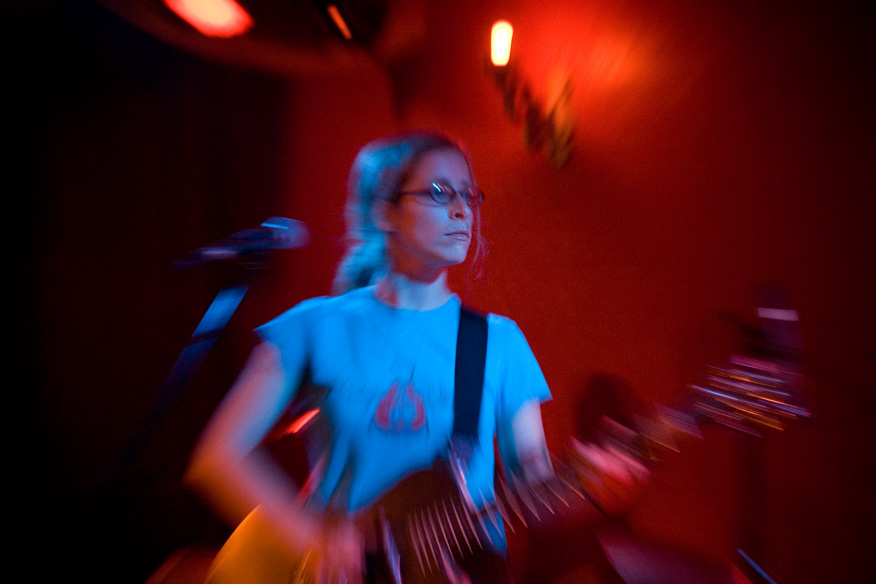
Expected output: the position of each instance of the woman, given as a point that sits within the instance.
(380, 356)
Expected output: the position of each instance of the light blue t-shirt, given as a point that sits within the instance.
(385, 380)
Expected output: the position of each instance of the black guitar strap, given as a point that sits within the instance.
(471, 356)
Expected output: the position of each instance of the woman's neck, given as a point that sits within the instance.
(400, 291)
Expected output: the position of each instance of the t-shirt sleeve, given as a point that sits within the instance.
(519, 376)
(289, 333)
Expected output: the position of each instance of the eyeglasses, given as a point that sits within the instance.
(443, 194)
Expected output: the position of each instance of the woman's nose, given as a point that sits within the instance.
(459, 209)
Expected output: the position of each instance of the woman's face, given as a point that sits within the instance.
(424, 237)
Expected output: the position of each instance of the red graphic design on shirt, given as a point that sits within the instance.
(400, 410)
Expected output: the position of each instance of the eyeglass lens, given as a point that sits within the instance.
(442, 194)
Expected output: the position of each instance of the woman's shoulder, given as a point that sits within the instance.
(505, 335)
(320, 306)
(502, 324)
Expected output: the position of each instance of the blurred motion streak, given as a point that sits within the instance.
(300, 422)
(339, 21)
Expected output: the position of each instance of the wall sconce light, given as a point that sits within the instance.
(500, 43)
(547, 126)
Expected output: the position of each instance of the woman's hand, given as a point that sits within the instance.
(612, 478)
(334, 554)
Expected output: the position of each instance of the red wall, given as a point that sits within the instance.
(717, 147)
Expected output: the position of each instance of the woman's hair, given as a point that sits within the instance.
(380, 168)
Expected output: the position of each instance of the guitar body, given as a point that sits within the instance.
(420, 532)
(252, 554)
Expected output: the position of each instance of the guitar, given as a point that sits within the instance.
(427, 531)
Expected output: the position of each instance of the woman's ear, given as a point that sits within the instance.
(381, 215)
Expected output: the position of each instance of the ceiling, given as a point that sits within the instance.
(293, 36)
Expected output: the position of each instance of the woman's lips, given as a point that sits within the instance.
(461, 235)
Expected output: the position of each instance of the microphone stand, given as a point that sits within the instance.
(213, 322)
(250, 249)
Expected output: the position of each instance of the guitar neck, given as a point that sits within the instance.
(747, 396)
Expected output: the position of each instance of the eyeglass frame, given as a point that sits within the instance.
(437, 188)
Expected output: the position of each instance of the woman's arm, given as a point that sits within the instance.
(611, 478)
(228, 467)
(528, 458)
(234, 473)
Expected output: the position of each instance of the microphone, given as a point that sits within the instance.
(276, 233)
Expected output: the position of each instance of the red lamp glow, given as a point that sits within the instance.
(500, 43)
(215, 18)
